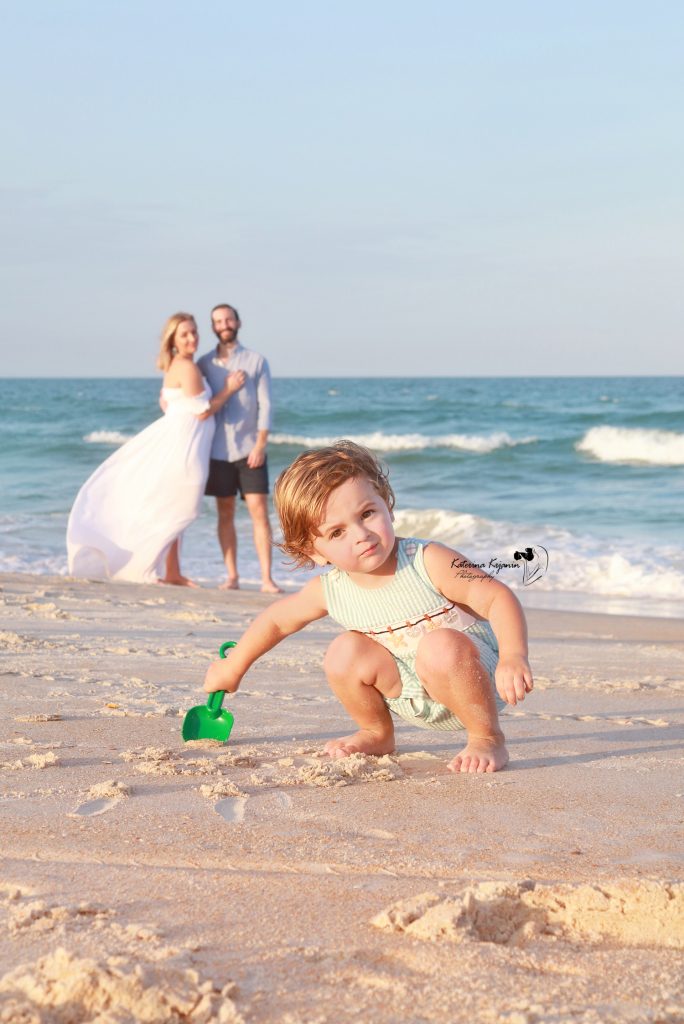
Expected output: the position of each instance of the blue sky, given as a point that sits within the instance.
(380, 188)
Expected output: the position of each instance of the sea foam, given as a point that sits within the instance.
(578, 563)
(106, 437)
(632, 444)
(480, 444)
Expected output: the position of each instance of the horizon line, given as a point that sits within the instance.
(392, 376)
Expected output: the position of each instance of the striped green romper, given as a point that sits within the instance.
(397, 615)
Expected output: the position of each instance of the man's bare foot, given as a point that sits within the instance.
(362, 742)
(180, 581)
(232, 583)
(481, 754)
(270, 587)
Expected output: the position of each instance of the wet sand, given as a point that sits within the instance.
(145, 879)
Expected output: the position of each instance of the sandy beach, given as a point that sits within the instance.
(144, 879)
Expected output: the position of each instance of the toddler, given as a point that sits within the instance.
(423, 640)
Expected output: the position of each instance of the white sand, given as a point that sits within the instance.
(142, 879)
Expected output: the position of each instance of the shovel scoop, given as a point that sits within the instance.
(208, 721)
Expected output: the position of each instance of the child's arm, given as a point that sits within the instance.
(492, 600)
(281, 619)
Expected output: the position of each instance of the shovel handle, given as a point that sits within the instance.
(215, 700)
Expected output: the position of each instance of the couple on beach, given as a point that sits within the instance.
(129, 516)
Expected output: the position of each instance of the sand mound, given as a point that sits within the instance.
(38, 718)
(152, 761)
(108, 790)
(625, 914)
(219, 790)
(38, 916)
(62, 989)
(205, 744)
(148, 754)
(344, 771)
(46, 760)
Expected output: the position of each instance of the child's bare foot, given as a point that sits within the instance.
(481, 754)
(362, 742)
(232, 583)
(180, 581)
(270, 587)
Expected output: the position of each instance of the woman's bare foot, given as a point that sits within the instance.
(180, 581)
(362, 742)
(232, 583)
(270, 587)
(481, 754)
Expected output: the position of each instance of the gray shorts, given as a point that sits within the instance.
(227, 478)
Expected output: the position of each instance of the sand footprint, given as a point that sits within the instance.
(236, 809)
(232, 809)
(230, 801)
(266, 805)
(101, 798)
(91, 808)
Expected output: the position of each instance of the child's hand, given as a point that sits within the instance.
(220, 677)
(513, 678)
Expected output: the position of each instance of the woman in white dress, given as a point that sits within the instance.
(128, 517)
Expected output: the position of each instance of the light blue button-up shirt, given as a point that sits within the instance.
(247, 410)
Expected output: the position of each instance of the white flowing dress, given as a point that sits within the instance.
(128, 513)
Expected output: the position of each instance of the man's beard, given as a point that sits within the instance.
(231, 336)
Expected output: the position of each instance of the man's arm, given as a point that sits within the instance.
(257, 456)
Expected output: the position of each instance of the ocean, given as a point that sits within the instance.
(587, 472)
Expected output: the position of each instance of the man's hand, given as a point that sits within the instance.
(220, 677)
(234, 381)
(257, 456)
(513, 678)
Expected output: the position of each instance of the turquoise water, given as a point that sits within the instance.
(590, 468)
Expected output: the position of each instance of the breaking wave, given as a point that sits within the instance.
(480, 444)
(106, 437)
(630, 444)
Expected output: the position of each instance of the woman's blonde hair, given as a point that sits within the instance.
(302, 490)
(167, 348)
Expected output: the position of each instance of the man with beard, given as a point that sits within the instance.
(238, 454)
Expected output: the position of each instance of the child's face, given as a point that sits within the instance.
(356, 534)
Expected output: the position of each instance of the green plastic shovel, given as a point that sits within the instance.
(208, 721)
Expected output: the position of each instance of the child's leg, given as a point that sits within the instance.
(450, 669)
(360, 671)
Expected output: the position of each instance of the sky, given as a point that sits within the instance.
(381, 188)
